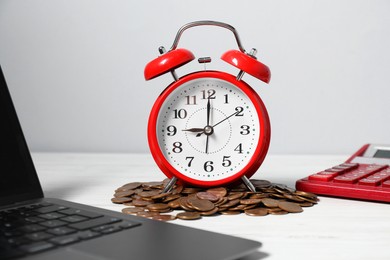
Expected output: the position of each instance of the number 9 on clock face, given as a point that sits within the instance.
(209, 129)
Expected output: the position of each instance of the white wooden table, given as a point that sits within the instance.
(332, 229)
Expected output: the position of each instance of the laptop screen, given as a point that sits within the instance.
(18, 179)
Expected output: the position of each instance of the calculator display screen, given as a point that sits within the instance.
(382, 154)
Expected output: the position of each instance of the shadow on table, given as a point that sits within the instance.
(255, 256)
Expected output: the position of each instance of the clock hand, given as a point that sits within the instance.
(194, 130)
(200, 131)
(207, 144)
(226, 118)
(208, 124)
(208, 112)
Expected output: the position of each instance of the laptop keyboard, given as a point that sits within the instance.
(38, 227)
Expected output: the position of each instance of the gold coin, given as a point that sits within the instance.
(126, 193)
(201, 205)
(230, 203)
(184, 204)
(131, 186)
(258, 196)
(147, 214)
(290, 207)
(230, 212)
(236, 195)
(174, 204)
(250, 201)
(153, 184)
(188, 215)
(159, 207)
(209, 213)
(221, 201)
(141, 203)
(270, 203)
(261, 183)
(177, 190)
(256, 212)
(207, 196)
(131, 210)
(279, 212)
(164, 217)
(121, 200)
(190, 190)
(149, 194)
(305, 194)
(306, 204)
(219, 192)
(159, 196)
(171, 197)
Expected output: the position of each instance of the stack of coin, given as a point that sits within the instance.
(147, 199)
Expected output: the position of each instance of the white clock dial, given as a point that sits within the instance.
(208, 129)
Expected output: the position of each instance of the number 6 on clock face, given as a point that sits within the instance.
(209, 129)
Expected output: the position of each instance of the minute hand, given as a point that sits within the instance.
(226, 118)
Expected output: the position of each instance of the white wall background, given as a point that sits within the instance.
(75, 68)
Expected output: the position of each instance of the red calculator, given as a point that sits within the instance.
(365, 176)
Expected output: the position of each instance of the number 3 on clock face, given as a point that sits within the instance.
(209, 129)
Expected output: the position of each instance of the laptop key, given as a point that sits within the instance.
(80, 212)
(52, 215)
(32, 228)
(38, 236)
(74, 218)
(128, 224)
(111, 230)
(53, 223)
(87, 234)
(59, 231)
(34, 219)
(17, 241)
(49, 209)
(94, 222)
(64, 240)
(36, 247)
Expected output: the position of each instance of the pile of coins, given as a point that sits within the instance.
(147, 199)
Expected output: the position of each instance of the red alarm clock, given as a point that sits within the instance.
(208, 128)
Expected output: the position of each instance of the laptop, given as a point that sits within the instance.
(35, 227)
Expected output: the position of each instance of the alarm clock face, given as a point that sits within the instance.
(208, 129)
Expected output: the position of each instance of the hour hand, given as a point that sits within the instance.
(200, 131)
(194, 130)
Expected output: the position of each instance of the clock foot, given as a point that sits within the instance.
(170, 184)
(248, 183)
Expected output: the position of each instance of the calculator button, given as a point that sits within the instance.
(351, 177)
(348, 166)
(360, 173)
(322, 176)
(386, 184)
(335, 170)
(375, 179)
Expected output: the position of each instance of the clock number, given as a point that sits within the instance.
(226, 162)
(240, 111)
(177, 147)
(208, 166)
(191, 100)
(238, 148)
(181, 113)
(191, 158)
(210, 94)
(171, 130)
(226, 99)
(245, 130)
